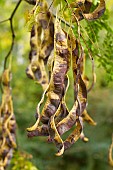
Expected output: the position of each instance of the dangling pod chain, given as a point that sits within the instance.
(7, 123)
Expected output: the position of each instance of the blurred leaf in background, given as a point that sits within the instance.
(21, 161)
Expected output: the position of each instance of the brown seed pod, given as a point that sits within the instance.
(97, 13)
(84, 8)
(83, 11)
(7, 123)
(74, 136)
(87, 118)
(62, 56)
(36, 69)
(42, 43)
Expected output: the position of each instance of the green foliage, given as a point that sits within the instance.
(99, 38)
(20, 161)
(106, 60)
(30, 17)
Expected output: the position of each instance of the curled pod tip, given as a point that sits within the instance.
(97, 13)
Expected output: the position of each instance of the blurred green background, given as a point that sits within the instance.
(26, 94)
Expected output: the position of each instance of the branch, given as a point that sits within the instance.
(10, 19)
(4, 21)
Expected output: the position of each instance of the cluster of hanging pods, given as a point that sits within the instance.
(53, 53)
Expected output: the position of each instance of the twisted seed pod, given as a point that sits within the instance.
(56, 88)
(81, 9)
(45, 19)
(74, 136)
(60, 69)
(43, 130)
(42, 42)
(80, 99)
(87, 118)
(70, 120)
(97, 13)
(64, 109)
(36, 69)
(7, 123)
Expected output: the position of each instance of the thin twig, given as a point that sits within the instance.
(4, 21)
(10, 19)
(65, 22)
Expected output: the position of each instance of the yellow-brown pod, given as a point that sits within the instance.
(64, 109)
(97, 13)
(87, 118)
(80, 95)
(45, 19)
(63, 112)
(36, 69)
(80, 91)
(35, 41)
(56, 85)
(74, 136)
(6, 77)
(78, 13)
(42, 43)
(62, 56)
(7, 123)
(68, 121)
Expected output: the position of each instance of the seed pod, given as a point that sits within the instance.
(74, 136)
(42, 43)
(43, 130)
(46, 21)
(97, 13)
(78, 108)
(60, 69)
(82, 9)
(7, 123)
(82, 12)
(87, 118)
(36, 69)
